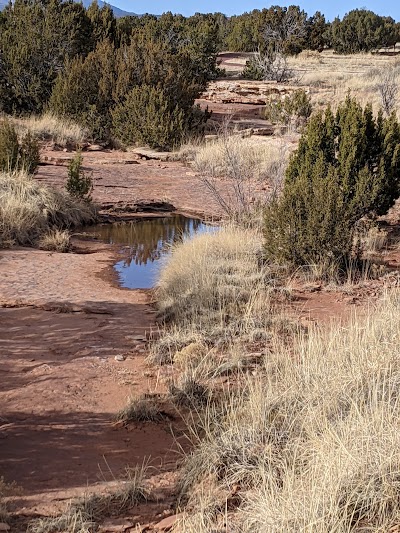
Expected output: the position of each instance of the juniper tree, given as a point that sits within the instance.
(346, 166)
(36, 39)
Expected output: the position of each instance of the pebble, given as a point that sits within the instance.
(167, 523)
(135, 338)
(119, 357)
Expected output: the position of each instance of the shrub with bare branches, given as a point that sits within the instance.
(388, 90)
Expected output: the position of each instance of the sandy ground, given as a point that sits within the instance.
(61, 325)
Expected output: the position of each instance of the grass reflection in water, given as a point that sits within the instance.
(144, 243)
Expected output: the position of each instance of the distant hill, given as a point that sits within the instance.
(117, 11)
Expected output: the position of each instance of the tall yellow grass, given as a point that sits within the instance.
(331, 76)
(29, 209)
(48, 127)
(312, 441)
(213, 291)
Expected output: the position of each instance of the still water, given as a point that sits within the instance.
(144, 245)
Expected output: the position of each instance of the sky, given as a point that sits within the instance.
(329, 8)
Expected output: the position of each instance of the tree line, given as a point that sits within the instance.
(137, 78)
(134, 78)
(360, 30)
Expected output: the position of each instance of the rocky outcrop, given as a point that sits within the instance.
(244, 91)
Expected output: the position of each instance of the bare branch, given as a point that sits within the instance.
(388, 90)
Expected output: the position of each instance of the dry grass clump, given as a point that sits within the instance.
(85, 515)
(29, 209)
(373, 241)
(231, 155)
(333, 75)
(239, 172)
(55, 240)
(61, 131)
(312, 440)
(213, 291)
(145, 408)
(309, 55)
(189, 392)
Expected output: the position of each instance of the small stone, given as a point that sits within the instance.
(167, 523)
(138, 337)
(115, 525)
(94, 148)
(119, 357)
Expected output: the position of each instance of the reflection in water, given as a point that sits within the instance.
(145, 242)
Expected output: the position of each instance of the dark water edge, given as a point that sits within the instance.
(144, 244)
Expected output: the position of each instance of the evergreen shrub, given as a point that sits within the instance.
(79, 185)
(347, 166)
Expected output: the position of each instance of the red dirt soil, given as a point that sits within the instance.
(61, 325)
(62, 322)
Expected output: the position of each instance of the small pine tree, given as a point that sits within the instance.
(346, 166)
(148, 116)
(79, 184)
(253, 70)
(295, 107)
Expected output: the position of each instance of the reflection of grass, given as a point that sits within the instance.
(150, 239)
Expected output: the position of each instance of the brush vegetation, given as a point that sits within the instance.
(79, 184)
(212, 290)
(311, 441)
(144, 408)
(347, 166)
(86, 514)
(30, 210)
(55, 240)
(17, 153)
(235, 169)
(62, 132)
(217, 305)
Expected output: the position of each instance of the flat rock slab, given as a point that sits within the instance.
(147, 153)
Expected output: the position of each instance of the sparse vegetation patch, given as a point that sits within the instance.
(305, 459)
(29, 210)
(17, 154)
(85, 515)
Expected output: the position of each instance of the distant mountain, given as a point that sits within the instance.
(117, 11)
